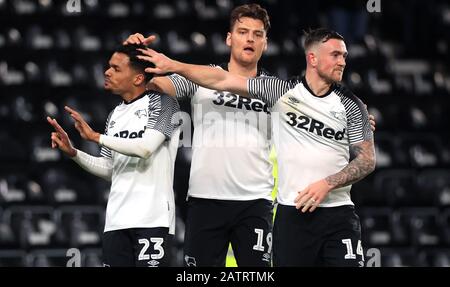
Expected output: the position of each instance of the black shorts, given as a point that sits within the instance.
(212, 224)
(140, 247)
(328, 236)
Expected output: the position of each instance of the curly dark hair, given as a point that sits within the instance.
(136, 63)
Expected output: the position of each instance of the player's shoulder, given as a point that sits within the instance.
(223, 66)
(262, 72)
(162, 99)
(295, 80)
(115, 108)
(345, 93)
(156, 95)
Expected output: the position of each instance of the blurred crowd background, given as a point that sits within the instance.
(51, 56)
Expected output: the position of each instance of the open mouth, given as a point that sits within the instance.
(249, 49)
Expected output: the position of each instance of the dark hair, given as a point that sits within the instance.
(320, 35)
(136, 63)
(254, 11)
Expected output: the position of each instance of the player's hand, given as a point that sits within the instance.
(372, 122)
(82, 126)
(371, 119)
(163, 64)
(138, 38)
(60, 139)
(312, 195)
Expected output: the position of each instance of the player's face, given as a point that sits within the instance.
(119, 76)
(247, 40)
(331, 60)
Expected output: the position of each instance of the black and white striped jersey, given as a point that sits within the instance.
(312, 134)
(142, 189)
(231, 143)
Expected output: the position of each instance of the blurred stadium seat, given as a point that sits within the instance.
(12, 258)
(91, 257)
(399, 67)
(436, 257)
(80, 226)
(401, 257)
(32, 226)
(47, 258)
(397, 187)
(376, 227)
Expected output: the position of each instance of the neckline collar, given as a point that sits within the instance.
(259, 71)
(135, 99)
(305, 84)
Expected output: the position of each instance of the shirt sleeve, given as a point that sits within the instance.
(142, 147)
(184, 88)
(98, 166)
(358, 125)
(267, 89)
(104, 151)
(164, 115)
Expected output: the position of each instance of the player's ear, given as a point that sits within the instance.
(311, 58)
(139, 79)
(228, 40)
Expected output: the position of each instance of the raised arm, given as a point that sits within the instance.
(160, 84)
(99, 166)
(139, 147)
(206, 76)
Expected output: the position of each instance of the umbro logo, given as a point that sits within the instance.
(153, 263)
(293, 101)
(140, 113)
(111, 124)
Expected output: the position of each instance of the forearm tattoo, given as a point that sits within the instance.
(362, 165)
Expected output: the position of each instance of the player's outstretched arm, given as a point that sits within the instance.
(139, 147)
(205, 76)
(99, 166)
(142, 147)
(362, 165)
(162, 85)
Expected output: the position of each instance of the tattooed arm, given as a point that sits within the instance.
(362, 164)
